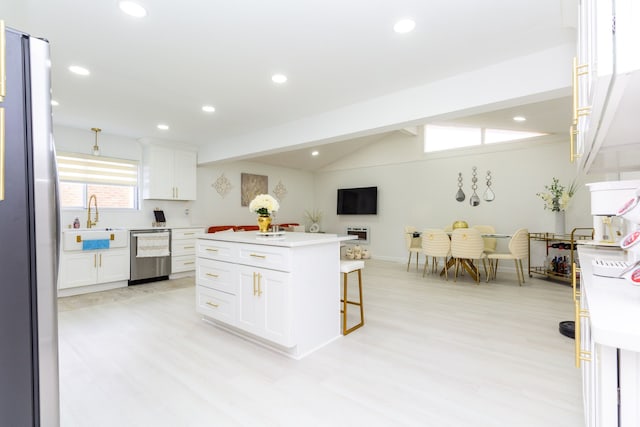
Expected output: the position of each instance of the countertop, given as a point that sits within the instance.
(614, 304)
(287, 239)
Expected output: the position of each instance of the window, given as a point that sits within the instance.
(440, 138)
(113, 181)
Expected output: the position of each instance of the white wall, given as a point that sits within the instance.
(81, 141)
(213, 209)
(419, 190)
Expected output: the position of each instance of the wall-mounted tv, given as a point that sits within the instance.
(358, 201)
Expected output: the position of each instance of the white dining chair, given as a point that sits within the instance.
(414, 244)
(490, 243)
(518, 250)
(467, 246)
(435, 244)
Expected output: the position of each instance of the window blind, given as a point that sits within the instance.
(84, 168)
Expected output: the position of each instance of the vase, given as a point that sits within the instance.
(560, 223)
(264, 221)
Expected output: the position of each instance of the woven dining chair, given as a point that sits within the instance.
(467, 246)
(414, 244)
(435, 244)
(518, 250)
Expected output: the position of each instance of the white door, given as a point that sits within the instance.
(113, 266)
(78, 269)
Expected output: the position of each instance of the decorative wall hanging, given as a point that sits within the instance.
(489, 195)
(222, 185)
(474, 200)
(280, 191)
(460, 194)
(252, 185)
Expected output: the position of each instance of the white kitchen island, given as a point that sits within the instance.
(282, 292)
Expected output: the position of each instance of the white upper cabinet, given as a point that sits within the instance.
(607, 86)
(168, 174)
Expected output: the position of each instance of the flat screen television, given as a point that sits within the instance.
(358, 201)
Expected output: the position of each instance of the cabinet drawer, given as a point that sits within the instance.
(221, 276)
(272, 257)
(183, 247)
(211, 249)
(215, 304)
(185, 233)
(183, 263)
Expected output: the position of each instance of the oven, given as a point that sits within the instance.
(150, 255)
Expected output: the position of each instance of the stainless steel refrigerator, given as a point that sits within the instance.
(28, 236)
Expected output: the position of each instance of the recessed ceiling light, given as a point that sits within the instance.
(404, 26)
(132, 9)
(163, 126)
(315, 153)
(519, 119)
(208, 108)
(81, 71)
(279, 78)
(54, 103)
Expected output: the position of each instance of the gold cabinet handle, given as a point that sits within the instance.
(581, 355)
(574, 282)
(2, 151)
(211, 250)
(100, 260)
(212, 275)
(214, 305)
(259, 284)
(254, 284)
(258, 256)
(573, 133)
(188, 247)
(95, 260)
(189, 262)
(189, 234)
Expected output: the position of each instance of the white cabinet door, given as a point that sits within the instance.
(158, 173)
(77, 269)
(264, 304)
(169, 174)
(113, 265)
(184, 175)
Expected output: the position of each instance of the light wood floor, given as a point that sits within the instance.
(432, 353)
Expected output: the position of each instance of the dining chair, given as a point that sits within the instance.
(414, 244)
(490, 243)
(518, 250)
(435, 244)
(467, 246)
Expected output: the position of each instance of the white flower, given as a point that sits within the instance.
(264, 204)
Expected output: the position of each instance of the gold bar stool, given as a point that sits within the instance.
(347, 267)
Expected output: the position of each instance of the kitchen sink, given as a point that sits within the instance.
(73, 238)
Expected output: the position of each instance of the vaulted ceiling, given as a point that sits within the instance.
(161, 69)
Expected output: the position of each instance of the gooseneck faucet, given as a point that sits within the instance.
(95, 202)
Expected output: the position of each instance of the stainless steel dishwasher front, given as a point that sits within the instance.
(150, 255)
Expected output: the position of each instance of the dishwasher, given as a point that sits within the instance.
(150, 255)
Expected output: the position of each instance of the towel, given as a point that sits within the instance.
(152, 245)
(88, 245)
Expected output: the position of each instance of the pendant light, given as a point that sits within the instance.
(96, 149)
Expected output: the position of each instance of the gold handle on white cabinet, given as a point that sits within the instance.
(189, 262)
(258, 256)
(2, 152)
(212, 275)
(100, 264)
(581, 355)
(211, 250)
(3, 62)
(577, 71)
(254, 284)
(573, 154)
(259, 284)
(574, 282)
(189, 234)
(212, 304)
(95, 260)
(188, 247)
